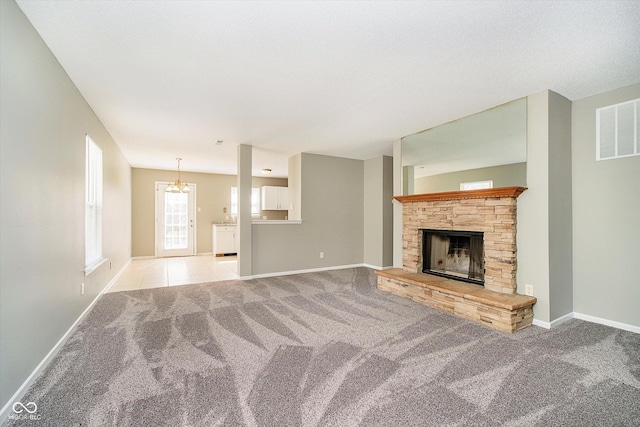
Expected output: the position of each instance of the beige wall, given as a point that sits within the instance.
(43, 123)
(212, 195)
(502, 176)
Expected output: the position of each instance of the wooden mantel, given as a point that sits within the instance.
(464, 194)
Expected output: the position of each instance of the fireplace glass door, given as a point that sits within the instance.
(454, 254)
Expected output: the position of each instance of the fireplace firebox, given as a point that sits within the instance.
(457, 255)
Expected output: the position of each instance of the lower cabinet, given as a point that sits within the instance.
(225, 239)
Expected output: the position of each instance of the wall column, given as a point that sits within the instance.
(544, 210)
(244, 210)
(397, 206)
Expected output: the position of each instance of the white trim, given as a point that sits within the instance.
(94, 266)
(476, 185)
(607, 322)
(619, 157)
(554, 323)
(93, 205)
(193, 210)
(376, 267)
(541, 323)
(616, 107)
(114, 280)
(276, 221)
(587, 318)
(155, 257)
(310, 270)
(562, 319)
(4, 412)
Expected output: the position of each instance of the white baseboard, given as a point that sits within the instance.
(109, 285)
(587, 318)
(154, 257)
(541, 323)
(607, 322)
(4, 412)
(376, 267)
(310, 270)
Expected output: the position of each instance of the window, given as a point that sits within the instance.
(476, 185)
(93, 206)
(617, 130)
(255, 201)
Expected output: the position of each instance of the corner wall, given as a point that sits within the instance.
(43, 123)
(606, 230)
(378, 211)
(543, 210)
(560, 238)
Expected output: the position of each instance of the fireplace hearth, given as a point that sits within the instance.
(457, 255)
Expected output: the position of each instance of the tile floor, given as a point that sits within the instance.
(158, 272)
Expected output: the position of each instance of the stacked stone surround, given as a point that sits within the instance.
(492, 212)
(494, 216)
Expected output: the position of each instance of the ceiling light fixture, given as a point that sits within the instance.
(266, 171)
(178, 186)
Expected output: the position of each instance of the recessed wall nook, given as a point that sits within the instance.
(484, 295)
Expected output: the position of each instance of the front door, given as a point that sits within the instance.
(175, 222)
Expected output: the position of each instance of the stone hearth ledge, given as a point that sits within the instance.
(501, 311)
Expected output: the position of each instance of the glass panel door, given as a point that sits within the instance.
(174, 222)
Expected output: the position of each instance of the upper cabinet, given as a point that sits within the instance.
(275, 198)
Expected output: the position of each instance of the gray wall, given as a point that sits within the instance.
(606, 230)
(397, 206)
(332, 220)
(43, 122)
(378, 211)
(544, 209)
(502, 176)
(560, 240)
(212, 195)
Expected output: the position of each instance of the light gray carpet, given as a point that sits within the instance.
(327, 349)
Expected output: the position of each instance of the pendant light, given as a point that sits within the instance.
(178, 186)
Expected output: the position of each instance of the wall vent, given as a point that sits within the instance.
(617, 132)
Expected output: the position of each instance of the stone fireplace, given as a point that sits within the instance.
(489, 215)
(492, 212)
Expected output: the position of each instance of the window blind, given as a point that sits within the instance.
(93, 204)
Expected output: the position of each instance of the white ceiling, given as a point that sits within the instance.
(170, 78)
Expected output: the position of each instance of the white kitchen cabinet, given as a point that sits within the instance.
(275, 198)
(225, 239)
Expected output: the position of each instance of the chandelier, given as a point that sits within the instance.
(178, 186)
